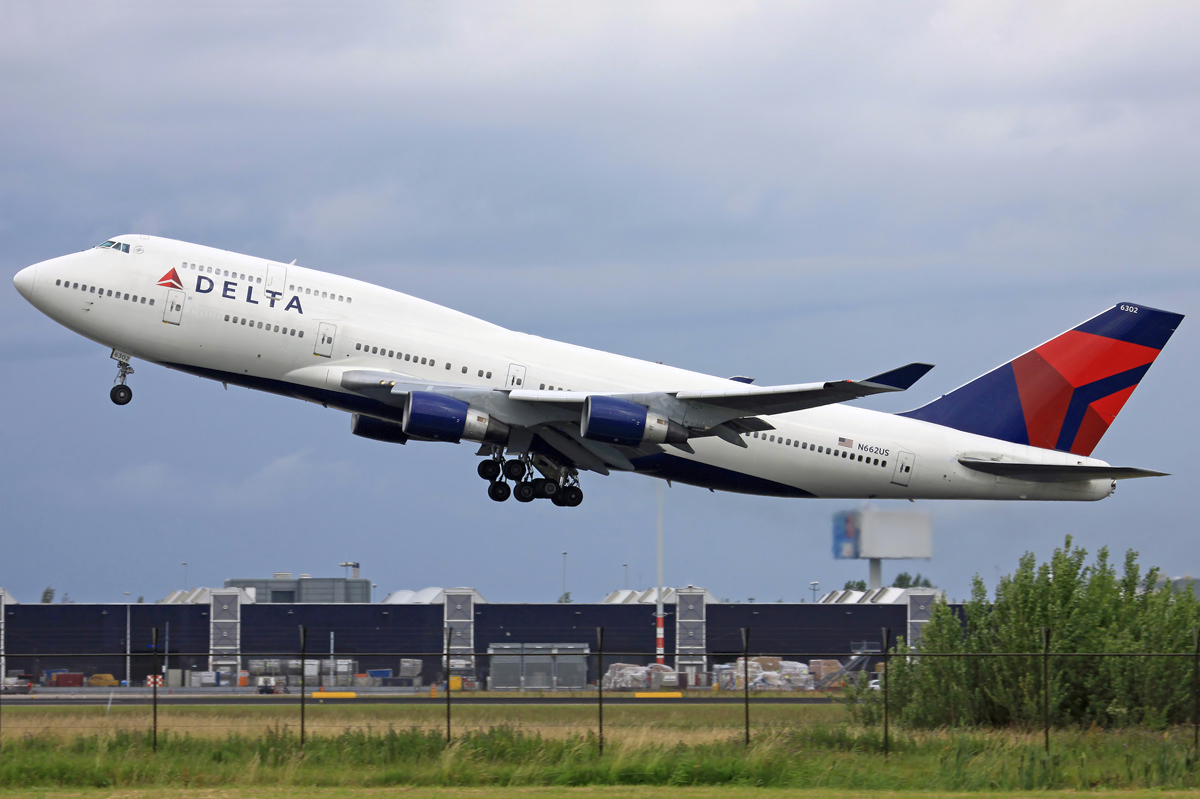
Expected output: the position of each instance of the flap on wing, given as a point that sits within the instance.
(1055, 473)
(753, 400)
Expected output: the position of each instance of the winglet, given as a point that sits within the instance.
(900, 379)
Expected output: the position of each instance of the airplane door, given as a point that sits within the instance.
(324, 344)
(276, 278)
(173, 312)
(516, 376)
(904, 466)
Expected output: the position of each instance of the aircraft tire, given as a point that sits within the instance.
(572, 496)
(488, 470)
(499, 491)
(524, 492)
(544, 488)
(121, 395)
(514, 470)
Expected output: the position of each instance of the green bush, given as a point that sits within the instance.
(1088, 610)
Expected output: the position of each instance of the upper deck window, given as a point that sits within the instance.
(113, 245)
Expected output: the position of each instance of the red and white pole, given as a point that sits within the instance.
(659, 647)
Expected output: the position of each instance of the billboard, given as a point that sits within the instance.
(872, 533)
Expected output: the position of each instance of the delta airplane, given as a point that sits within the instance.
(543, 411)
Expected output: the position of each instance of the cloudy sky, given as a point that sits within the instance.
(792, 191)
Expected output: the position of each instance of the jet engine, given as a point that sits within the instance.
(618, 421)
(437, 417)
(377, 429)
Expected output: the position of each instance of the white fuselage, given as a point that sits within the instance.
(296, 331)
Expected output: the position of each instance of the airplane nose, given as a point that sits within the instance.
(24, 281)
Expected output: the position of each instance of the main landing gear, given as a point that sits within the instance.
(121, 394)
(565, 492)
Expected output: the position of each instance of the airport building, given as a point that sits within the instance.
(223, 636)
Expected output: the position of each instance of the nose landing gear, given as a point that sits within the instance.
(120, 393)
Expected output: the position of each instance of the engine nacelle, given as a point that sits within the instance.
(618, 421)
(440, 418)
(377, 429)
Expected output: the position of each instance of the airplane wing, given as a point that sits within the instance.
(1055, 473)
(551, 419)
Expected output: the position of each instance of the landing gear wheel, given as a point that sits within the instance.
(121, 394)
(544, 488)
(488, 470)
(572, 496)
(499, 491)
(515, 470)
(524, 492)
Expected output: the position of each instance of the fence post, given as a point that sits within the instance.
(1196, 695)
(156, 675)
(887, 677)
(303, 679)
(1046, 686)
(449, 633)
(746, 678)
(600, 683)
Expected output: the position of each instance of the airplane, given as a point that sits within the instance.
(544, 411)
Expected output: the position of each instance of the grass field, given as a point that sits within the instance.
(553, 751)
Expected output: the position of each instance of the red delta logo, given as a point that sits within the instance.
(171, 280)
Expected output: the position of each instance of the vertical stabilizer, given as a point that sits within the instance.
(1064, 394)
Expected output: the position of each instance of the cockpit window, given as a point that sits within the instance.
(113, 245)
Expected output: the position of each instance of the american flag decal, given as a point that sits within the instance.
(845, 442)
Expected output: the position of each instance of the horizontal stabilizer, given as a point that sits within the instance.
(1055, 473)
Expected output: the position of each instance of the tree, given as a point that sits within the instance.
(565, 599)
(1086, 608)
(48, 595)
(906, 580)
(855, 585)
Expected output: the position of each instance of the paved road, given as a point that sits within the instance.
(46, 700)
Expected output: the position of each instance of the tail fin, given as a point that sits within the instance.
(1064, 394)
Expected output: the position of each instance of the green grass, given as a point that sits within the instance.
(810, 748)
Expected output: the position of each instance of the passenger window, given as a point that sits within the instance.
(110, 292)
(348, 300)
(227, 318)
(408, 356)
(481, 373)
(489, 375)
(447, 366)
(339, 298)
(464, 371)
(58, 282)
(391, 353)
(308, 291)
(151, 302)
(374, 350)
(92, 290)
(291, 288)
(423, 361)
(358, 346)
(260, 325)
(143, 300)
(293, 331)
(432, 362)
(243, 320)
(300, 334)
(276, 330)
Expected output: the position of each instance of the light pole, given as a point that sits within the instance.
(813, 585)
(626, 565)
(185, 585)
(128, 676)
